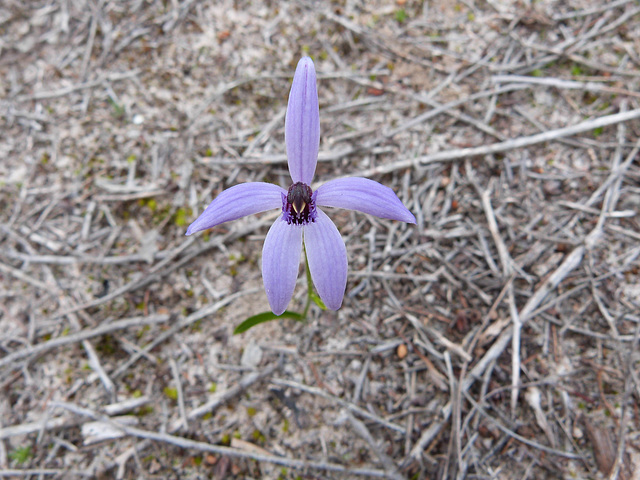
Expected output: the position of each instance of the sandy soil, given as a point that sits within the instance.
(497, 338)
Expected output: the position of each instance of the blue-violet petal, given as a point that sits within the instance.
(302, 123)
(327, 257)
(238, 201)
(280, 262)
(365, 196)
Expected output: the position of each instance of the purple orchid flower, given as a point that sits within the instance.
(301, 216)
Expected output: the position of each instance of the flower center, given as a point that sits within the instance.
(299, 206)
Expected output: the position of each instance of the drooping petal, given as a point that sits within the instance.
(327, 257)
(302, 123)
(239, 201)
(280, 262)
(365, 196)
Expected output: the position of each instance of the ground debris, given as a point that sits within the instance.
(499, 334)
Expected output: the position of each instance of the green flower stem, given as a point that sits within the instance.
(309, 285)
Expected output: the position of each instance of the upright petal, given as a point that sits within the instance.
(280, 262)
(327, 257)
(365, 196)
(238, 201)
(302, 123)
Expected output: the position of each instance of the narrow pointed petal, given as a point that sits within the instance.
(239, 201)
(302, 123)
(365, 196)
(327, 257)
(280, 262)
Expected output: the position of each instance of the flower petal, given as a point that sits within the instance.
(280, 262)
(365, 196)
(327, 257)
(238, 201)
(302, 123)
